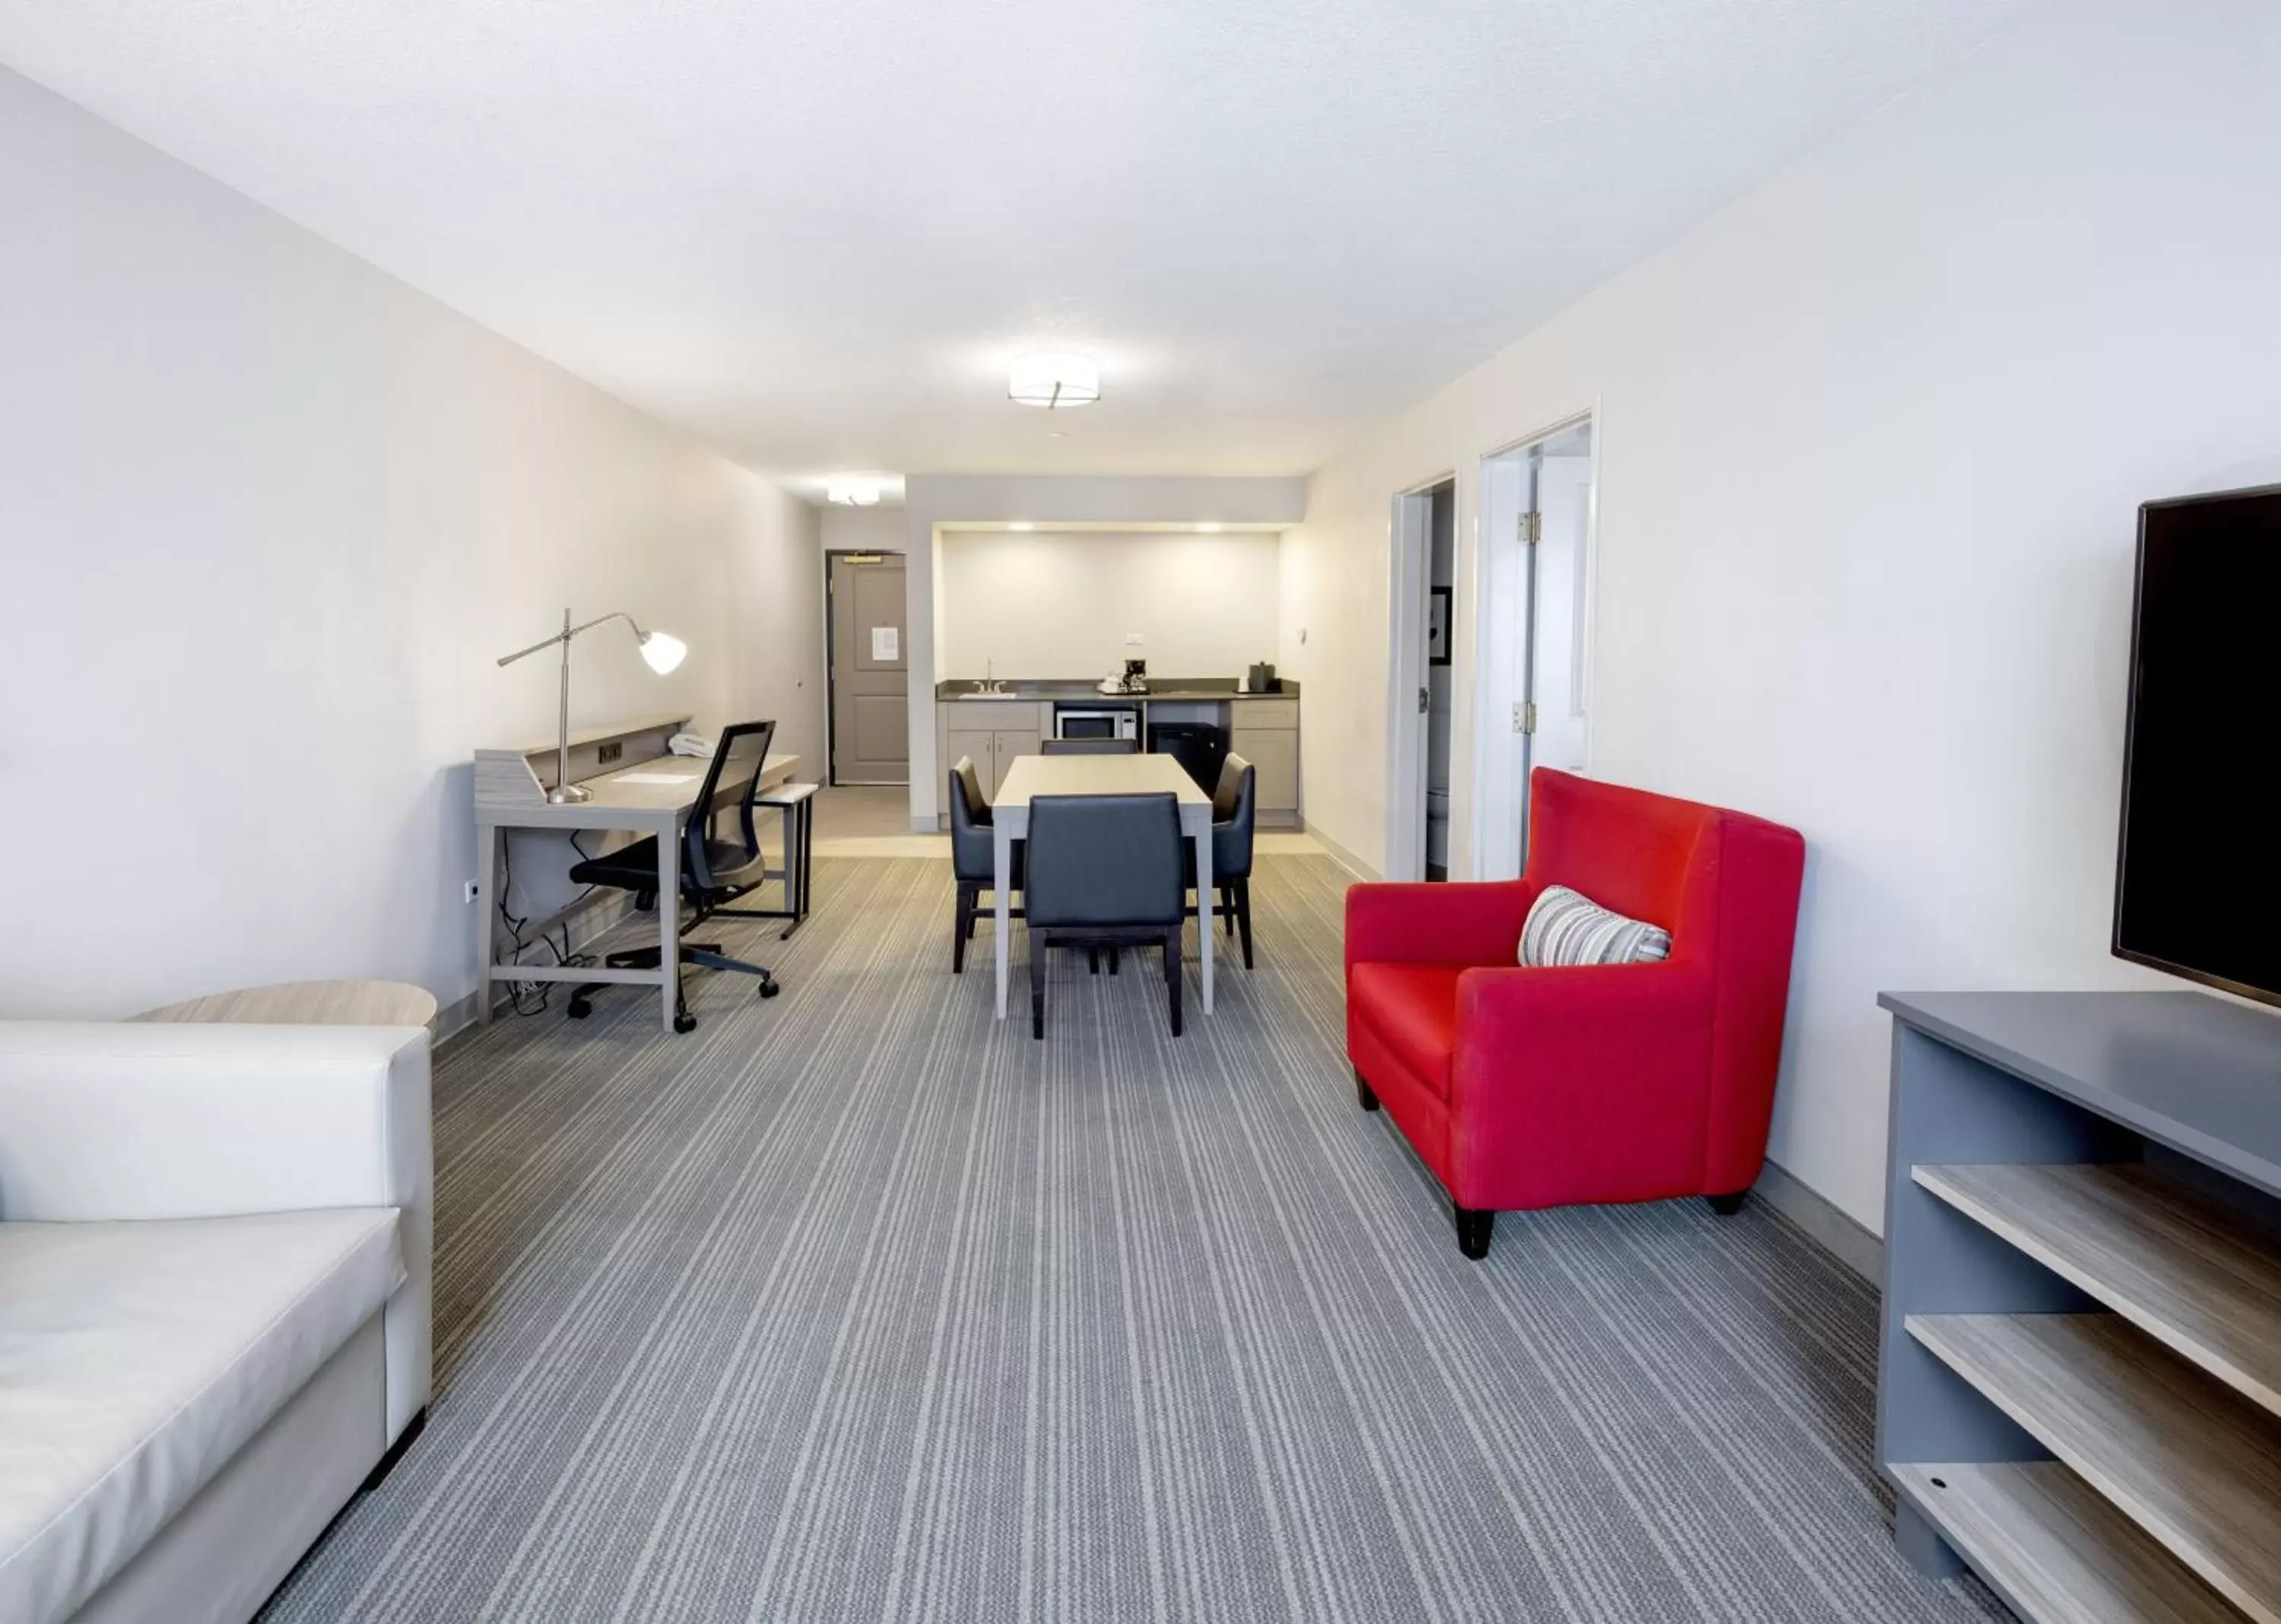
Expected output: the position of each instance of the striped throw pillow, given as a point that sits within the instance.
(1566, 927)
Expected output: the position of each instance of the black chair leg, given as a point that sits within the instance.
(1173, 978)
(1227, 907)
(1730, 1203)
(1243, 916)
(1365, 1094)
(1116, 957)
(961, 928)
(1038, 946)
(1093, 960)
(1473, 1227)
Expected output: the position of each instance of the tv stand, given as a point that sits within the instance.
(2079, 1387)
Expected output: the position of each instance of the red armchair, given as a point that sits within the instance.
(1544, 1087)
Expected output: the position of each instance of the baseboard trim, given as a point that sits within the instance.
(453, 1020)
(1339, 854)
(1822, 1221)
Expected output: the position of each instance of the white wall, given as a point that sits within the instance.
(1135, 500)
(268, 516)
(1873, 441)
(1060, 604)
(864, 530)
(776, 583)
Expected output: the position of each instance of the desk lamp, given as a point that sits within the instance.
(662, 649)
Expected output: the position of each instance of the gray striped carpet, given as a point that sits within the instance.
(861, 1305)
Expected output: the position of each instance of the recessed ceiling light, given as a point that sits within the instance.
(1053, 380)
(848, 492)
(1208, 530)
(1021, 524)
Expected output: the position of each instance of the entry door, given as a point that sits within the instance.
(870, 695)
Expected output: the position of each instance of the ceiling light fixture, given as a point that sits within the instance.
(1054, 380)
(1208, 530)
(847, 491)
(1021, 524)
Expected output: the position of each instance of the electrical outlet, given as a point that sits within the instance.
(611, 752)
(1132, 640)
(468, 892)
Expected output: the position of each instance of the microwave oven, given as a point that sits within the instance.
(1096, 722)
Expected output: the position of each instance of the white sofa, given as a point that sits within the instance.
(214, 1246)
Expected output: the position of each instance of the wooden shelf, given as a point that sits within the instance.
(2055, 1551)
(2189, 1461)
(2166, 1258)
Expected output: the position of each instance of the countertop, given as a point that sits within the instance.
(1191, 690)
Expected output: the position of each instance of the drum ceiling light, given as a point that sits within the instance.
(1053, 380)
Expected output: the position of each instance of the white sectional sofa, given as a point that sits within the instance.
(214, 1304)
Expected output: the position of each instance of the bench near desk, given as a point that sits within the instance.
(1099, 775)
(637, 786)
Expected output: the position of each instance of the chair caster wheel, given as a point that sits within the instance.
(579, 1010)
(685, 1021)
(770, 989)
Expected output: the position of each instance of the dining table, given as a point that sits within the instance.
(1031, 776)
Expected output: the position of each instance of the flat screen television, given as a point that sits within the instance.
(2198, 874)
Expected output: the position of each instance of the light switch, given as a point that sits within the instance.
(1132, 640)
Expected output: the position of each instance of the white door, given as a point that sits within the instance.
(1555, 676)
(1535, 633)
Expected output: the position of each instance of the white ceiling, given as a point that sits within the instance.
(814, 234)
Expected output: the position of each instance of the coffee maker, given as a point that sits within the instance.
(1136, 677)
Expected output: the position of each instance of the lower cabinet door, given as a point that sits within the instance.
(1274, 757)
(981, 748)
(1014, 743)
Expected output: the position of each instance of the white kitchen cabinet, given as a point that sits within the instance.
(1265, 732)
(981, 747)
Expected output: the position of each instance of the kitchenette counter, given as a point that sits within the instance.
(994, 728)
(1206, 689)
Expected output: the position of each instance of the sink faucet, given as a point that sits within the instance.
(989, 683)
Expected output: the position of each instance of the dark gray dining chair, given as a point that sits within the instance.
(1090, 746)
(1235, 815)
(1104, 871)
(973, 856)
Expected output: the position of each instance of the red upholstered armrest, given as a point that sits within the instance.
(1436, 924)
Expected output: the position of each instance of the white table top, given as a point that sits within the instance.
(1096, 774)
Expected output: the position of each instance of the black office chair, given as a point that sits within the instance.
(1090, 746)
(1234, 815)
(1104, 871)
(714, 873)
(973, 856)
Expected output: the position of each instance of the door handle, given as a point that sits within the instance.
(1421, 701)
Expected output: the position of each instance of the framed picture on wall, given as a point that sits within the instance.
(1437, 626)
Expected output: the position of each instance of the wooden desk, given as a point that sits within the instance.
(1099, 775)
(511, 793)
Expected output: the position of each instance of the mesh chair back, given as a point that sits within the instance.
(735, 771)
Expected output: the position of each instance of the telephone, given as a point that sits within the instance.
(690, 744)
